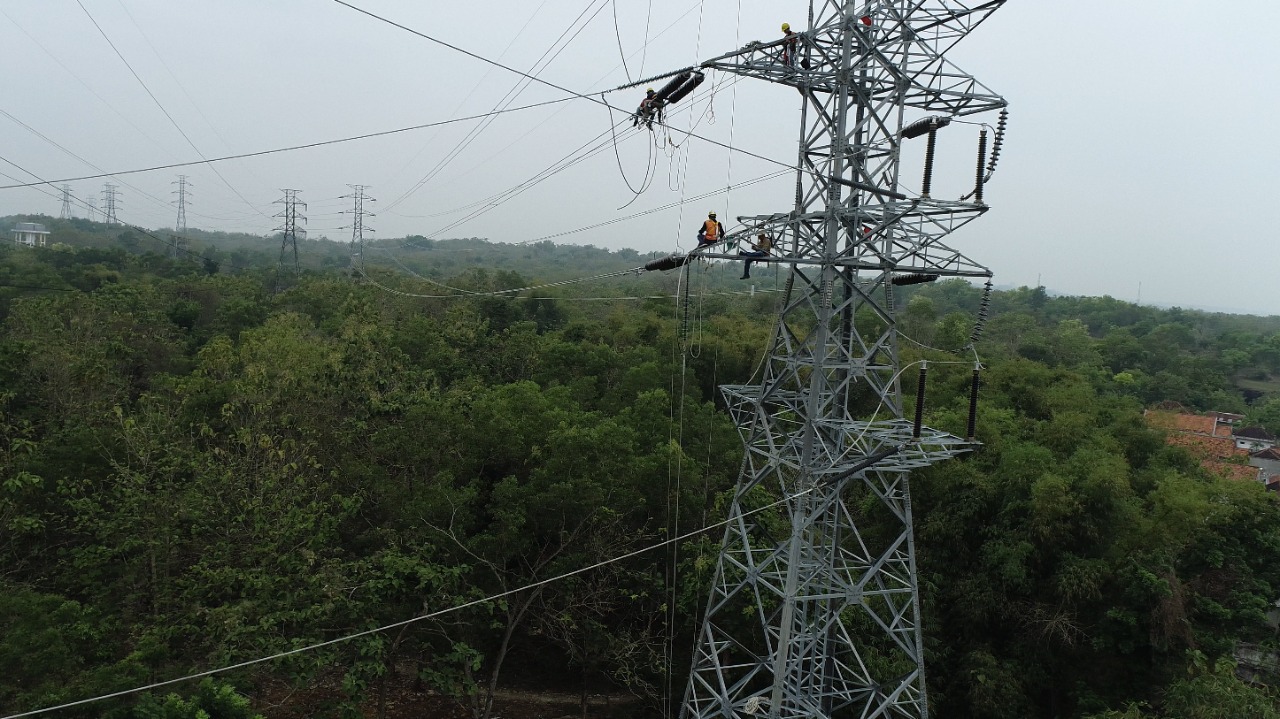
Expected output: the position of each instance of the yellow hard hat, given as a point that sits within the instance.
(786, 26)
(649, 90)
(711, 213)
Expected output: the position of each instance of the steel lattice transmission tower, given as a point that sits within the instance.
(358, 213)
(291, 225)
(178, 247)
(66, 203)
(180, 224)
(110, 198)
(814, 611)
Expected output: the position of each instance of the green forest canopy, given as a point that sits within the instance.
(206, 457)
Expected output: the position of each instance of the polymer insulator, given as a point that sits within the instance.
(984, 307)
(915, 278)
(670, 262)
(982, 160)
(927, 184)
(973, 402)
(923, 125)
(670, 87)
(924, 375)
(686, 88)
(997, 142)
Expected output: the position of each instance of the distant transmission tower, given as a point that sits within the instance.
(178, 247)
(358, 229)
(814, 611)
(93, 208)
(66, 203)
(180, 225)
(110, 198)
(291, 225)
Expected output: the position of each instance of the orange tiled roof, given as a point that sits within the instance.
(1233, 471)
(1207, 447)
(1182, 422)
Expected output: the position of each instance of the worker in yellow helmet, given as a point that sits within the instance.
(790, 43)
(647, 110)
(760, 248)
(711, 230)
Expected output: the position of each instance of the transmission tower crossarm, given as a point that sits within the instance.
(824, 621)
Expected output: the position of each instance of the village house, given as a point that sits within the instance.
(1209, 438)
(1253, 439)
(31, 234)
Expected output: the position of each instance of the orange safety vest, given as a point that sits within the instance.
(711, 229)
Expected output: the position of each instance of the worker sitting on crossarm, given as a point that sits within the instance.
(790, 43)
(711, 231)
(760, 248)
(648, 110)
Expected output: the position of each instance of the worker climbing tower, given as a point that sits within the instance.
(815, 609)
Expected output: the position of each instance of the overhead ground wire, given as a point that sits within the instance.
(548, 83)
(158, 104)
(508, 98)
(290, 148)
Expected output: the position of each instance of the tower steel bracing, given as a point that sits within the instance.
(183, 192)
(358, 213)
(65, 214)
(110, 198)
(814, 610)
(178, 249)
(291, 226)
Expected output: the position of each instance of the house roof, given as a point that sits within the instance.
(1254, 433)
(30, 227)
(1233, 471)
(1207, 447)
(1183, 422)
(1272, 453)
(1180, 422)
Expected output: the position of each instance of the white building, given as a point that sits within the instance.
(1253, 439)
(31, 234)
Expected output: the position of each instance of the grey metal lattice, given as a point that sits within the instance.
(814, 610)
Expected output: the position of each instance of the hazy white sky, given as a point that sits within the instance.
(1137, 149)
